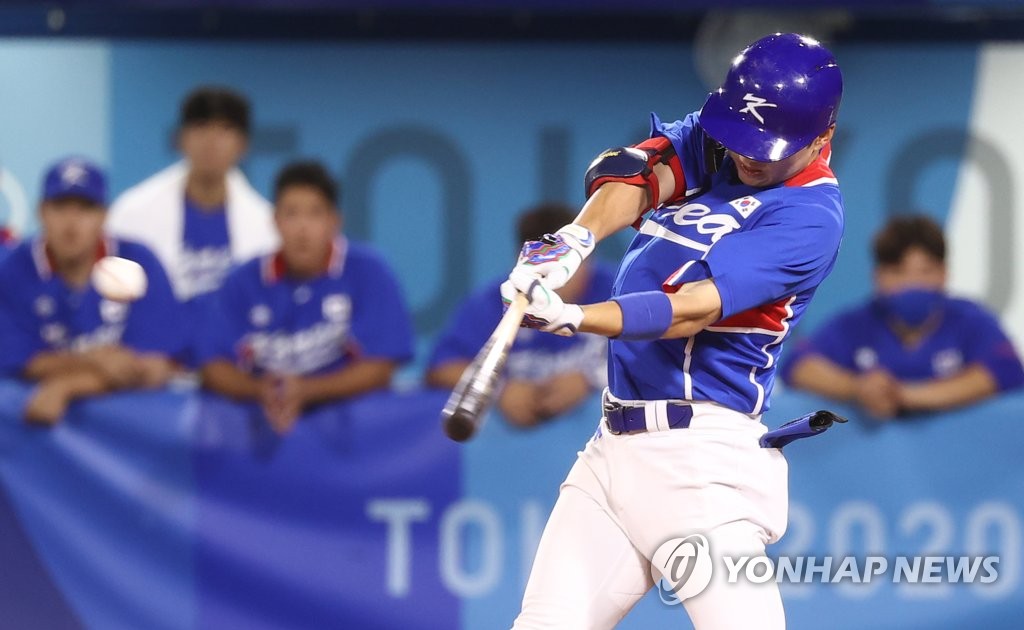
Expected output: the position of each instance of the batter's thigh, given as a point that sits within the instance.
(586, 575)
(715, 481)
(676, 483)
(736, 604)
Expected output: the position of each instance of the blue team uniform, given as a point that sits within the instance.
(264, 321)
(41, 312)
(767, 249)
(535, 356)
(206, 249)
(861, 340)
(205, 262)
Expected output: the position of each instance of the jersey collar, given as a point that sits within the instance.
(273, 268)
(44, 262)
(817, 172)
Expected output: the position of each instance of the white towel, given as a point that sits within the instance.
(152, 213)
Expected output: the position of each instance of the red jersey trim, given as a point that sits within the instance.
(817, 172)
(767, 319)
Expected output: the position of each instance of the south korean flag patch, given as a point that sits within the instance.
(745, 205)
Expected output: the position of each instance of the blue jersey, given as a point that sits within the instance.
(860, 340)
(40, 312)
(265, 321)
(535, 356)
(206, 251)
(767, 249)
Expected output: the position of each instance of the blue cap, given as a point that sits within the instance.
(781, 93)
(76, 177)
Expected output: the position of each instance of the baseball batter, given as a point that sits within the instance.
(747, 223)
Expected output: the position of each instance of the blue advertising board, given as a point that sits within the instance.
(177, 510)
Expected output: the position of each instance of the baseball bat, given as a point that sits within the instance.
(469, 401)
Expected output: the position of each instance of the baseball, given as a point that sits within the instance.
(119, 279)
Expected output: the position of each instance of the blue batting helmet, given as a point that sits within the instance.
(781, 93)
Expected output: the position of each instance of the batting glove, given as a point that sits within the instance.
(555, 258)
(546, 311)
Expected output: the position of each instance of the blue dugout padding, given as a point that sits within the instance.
(176, 510)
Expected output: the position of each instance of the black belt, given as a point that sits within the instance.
(622, 419)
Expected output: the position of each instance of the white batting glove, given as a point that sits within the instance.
(555, 258)
(547, 311)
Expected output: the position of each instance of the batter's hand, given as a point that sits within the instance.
(546, 311)
(555, 258)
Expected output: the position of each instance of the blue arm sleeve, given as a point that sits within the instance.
(381, 323)
(987, 345)
(791, 250)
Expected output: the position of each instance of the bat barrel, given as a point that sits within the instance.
(465, 409)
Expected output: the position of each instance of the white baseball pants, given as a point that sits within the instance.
(628, 494)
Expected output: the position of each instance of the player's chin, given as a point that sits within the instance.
(304, 260)
(72, 249)
(754, 178)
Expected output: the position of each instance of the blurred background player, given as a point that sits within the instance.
(708, 290)
(911, 347)
(56, 328)
(200, 216)
(322, 319)
(545, 375)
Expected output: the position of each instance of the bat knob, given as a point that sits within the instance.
(458, 426)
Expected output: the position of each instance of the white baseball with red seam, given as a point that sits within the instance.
(119, 279)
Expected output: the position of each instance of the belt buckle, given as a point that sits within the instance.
(610, 407)
(607, 404)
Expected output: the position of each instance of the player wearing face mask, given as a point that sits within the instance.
(912, 347)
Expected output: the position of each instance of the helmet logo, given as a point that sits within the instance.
(753, 102)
